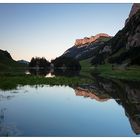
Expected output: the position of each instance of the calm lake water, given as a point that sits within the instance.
(88, 110)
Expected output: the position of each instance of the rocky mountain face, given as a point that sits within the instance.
(125, 45)
(88, 40)
(85, 48)
(123, 48)
(134, 9)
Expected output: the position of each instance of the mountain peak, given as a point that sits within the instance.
(90, 39)
(134, 9)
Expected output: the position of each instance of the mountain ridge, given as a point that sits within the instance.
(91, 39)
(123, 48)
(86, 49)
(7, 63)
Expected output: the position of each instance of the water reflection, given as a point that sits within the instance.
(52, 72)
(39, 72)
(7, 129)
(124, 93)
(6, 97)
(87, 93)
(65, 72)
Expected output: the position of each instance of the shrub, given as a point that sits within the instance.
(67, 62)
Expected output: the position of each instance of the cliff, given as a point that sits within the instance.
(134, 9)
(91, 39)
(125, 45)
(129, 36)
(123, 48)
(85, 48)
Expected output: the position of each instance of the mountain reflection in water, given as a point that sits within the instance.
(124, 93)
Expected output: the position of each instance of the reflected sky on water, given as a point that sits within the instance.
(67, 111)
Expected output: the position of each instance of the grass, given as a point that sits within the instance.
(11, 82)
(11, 79)
(86, 63)
(131, 73)
(104, 39)
(86, 68)
(119, 52)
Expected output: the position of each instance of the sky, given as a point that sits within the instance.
(48, 30)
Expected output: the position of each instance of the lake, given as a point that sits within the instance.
(106, 108)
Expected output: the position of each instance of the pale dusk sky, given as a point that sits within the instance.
(47, 30)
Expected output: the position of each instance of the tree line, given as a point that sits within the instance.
(60, 62)
(39, 62)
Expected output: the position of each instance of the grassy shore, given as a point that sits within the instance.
(11, 82)
(130, 73)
